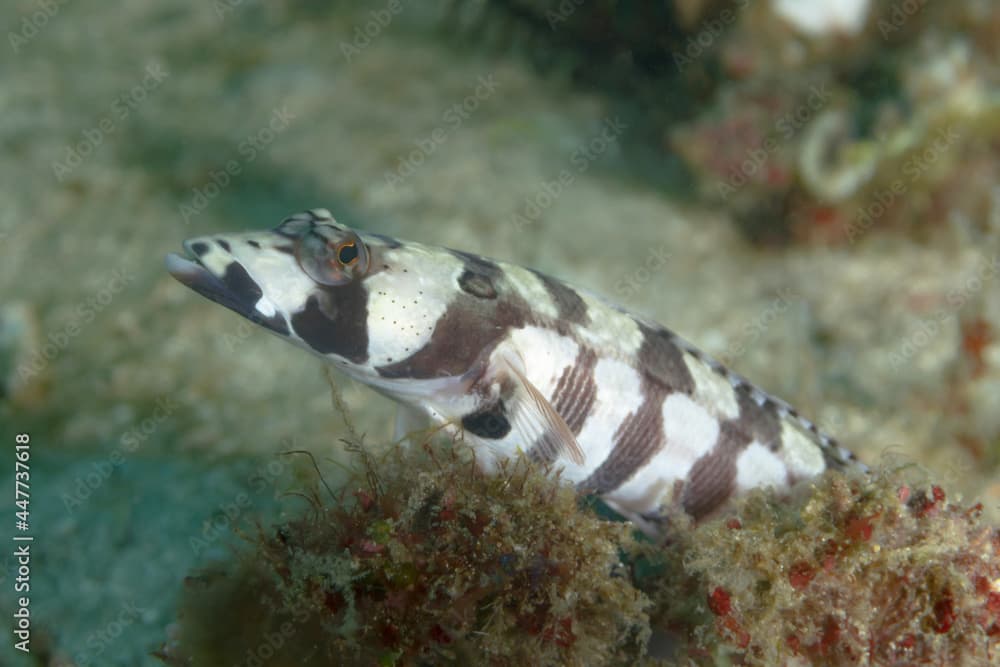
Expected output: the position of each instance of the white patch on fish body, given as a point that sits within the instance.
(613, 330)
(530, 287)
(618, 392)
(545, 354)
(712, 390)
(803, 455)
(218, 262)
(285, 282)
(758, 466)
(401, 316)
(689, 427)
(691, 433)
(265, 307)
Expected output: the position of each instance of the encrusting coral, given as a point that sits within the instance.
(422, 559)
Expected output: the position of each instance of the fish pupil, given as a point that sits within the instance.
(347, 253)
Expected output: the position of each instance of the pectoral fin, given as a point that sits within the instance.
(408, 420)
(532, 417)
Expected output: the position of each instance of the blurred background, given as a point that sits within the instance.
(807, 191)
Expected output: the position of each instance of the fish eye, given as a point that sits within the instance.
(347, 254)
(331, 261)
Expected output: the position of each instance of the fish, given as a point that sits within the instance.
(513, 361)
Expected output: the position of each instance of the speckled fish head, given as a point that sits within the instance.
(359, 300)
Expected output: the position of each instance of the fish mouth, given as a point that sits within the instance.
(235, 289)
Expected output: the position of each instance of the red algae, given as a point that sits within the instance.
(864, 571)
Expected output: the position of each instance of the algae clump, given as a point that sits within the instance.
(423, 560)
(862, 571)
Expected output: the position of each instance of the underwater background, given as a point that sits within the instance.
(809, 192)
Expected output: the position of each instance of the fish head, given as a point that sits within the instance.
(364, 302)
